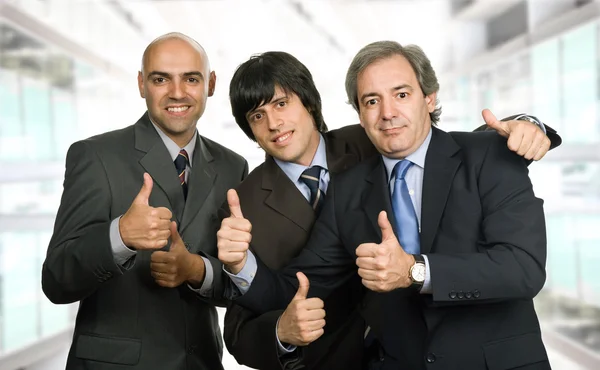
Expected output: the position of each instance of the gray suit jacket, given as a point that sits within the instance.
(124, 317)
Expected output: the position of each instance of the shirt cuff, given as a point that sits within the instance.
(426, 288)
(281, 349)
(121, 254)
(244, 278)
(205, 289)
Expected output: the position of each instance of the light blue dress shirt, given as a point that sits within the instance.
(125, 256)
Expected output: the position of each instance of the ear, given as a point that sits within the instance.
(212, 81)
(431, 99)
(141, 84)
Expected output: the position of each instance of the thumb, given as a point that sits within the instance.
(387, 232)
(493, 123)
(302, 287)
(144, 194)
(176, 241)
(234, 204)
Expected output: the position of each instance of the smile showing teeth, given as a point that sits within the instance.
(178, 109)
(283, 137)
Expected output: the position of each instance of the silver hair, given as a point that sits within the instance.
(384, 49)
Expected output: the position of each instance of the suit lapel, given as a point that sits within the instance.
(158, 164)
(377, 196)
(284, 197)
(441, 165)
(200, 182)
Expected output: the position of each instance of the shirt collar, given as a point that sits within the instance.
(417, 157)
(294, 170)
(173, 148)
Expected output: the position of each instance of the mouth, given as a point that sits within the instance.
(283, 138)
(178, 110)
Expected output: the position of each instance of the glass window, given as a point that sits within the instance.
(11, 131)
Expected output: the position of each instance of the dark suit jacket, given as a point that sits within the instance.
(125, 320)
(281, 223)
(483, 231)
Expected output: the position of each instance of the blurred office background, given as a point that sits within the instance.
(68, 71)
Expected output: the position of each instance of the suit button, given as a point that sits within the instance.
(461, 295)
(452, 294)
(468, 295)
(476, 293)
(431, 358)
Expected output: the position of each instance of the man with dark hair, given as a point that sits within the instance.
(275, 102)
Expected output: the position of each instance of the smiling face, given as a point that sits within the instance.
(285, 129)
(176, 81)
(392, 108)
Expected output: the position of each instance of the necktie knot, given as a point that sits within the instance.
(401, 168)
(312, 177)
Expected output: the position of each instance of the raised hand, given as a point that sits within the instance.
(524, 138)
(144, 226)
(173, 268)
(303, 320)
(234, 236)
(384, 266)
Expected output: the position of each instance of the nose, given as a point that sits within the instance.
(177, 90)
(274, 121)
(388, 110)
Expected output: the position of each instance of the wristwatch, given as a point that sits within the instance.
(532, 119)
(417, 272)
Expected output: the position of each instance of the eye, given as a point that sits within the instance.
(371, 102)
(402, 95)
(257, 117)
(281, 103)
(192, 79)
(159, 80)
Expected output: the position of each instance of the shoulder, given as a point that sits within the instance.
(354, 137)
(106, 142)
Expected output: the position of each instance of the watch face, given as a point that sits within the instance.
(418, 272)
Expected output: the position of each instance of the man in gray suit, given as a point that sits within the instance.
(146, 297)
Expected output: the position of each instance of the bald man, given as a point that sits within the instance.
(136, 227)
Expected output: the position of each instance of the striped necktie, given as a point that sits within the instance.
(180, 163)
(311, 177)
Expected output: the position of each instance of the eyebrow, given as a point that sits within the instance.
(274, 100)
(396, 88)
(168, 75)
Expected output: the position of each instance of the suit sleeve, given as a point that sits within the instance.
(324, 261)
(555, 139)
(79, 257)
(510, 260)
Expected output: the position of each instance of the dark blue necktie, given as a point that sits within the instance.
(180, 164)
(311, 177)
(404, 212)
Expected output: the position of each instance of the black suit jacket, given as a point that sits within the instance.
(126, 320)
(281, 223)
(483, 231)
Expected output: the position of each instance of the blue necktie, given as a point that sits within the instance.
(311, 177)
(404, 212)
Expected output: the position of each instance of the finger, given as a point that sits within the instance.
(366, 263)
(144, 194)
(241, 224)
(313, 325)
(367, 250)
(492, 122)
(514, 140)
(533, 149)
(163, 213)
(159, 235)
(162, 225)
(176, 241)
(526, 144)
(313, 335)
(542, 150)
(158, 257)
(233, 247)
(235, 235)
(387, 232)
(369, 275)
(234, 204)
(164, 269)
(303, 285)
